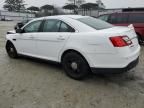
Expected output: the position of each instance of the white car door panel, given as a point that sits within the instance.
(25, 43)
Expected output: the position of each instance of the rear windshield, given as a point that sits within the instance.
(95, 23)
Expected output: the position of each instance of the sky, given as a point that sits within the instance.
(108, 3)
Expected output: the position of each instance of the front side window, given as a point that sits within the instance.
(95, 23)
(33, 27)
(51, 25)
(65, 28)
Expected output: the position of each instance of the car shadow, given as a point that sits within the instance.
(121, 79)
(42, 62)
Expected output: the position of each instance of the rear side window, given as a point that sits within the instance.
(136, 18)
(51, 25)
(119, 18)
(65, 28)
(54, 25)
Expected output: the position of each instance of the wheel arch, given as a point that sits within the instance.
(9, 42)
(76, 51)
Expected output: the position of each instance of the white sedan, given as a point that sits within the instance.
(80, 43)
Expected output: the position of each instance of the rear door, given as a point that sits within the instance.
(52, 39)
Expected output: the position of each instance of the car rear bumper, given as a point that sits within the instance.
(130, 66)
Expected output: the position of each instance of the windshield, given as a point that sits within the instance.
(95, 23)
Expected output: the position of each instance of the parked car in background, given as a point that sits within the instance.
(80, 43)
(125, 19)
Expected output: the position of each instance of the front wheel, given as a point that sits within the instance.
(11, 50)
(75, 65)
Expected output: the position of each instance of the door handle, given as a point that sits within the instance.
(60, 38)
(14, 39)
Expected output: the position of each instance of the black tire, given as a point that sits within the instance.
(11, 51)
(139, 39)
(75, 66)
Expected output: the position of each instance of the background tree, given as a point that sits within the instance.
(70, 7)
(47, 10)
(14, 5)
(100, 4)
(88, 7)
(33, 9)
(47, 7)
(76, 2)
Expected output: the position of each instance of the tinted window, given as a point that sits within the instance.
(122, 18)
(66, 28)
(119, 18)
(136, 18)
(51, 25)
(113, 19)
(104, 17)
(33, 27)
(95, 23)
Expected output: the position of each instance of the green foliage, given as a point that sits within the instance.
(47, 7)
(14, 5)
(33, 8)
(89, 6)
(70, 7)
(76, 2)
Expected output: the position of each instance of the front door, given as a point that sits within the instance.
(25, 41)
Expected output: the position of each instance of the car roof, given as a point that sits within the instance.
(61, 16)
(70, 20)
(127, 12)
(124, 13)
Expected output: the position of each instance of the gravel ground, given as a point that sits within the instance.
(27, 83)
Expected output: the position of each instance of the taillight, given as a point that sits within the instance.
(120, 41)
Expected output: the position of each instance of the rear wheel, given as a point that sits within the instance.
(11, 50)
(75, 65)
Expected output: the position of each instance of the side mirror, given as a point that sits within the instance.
(19, 31)
(20, 25)
(15, 28)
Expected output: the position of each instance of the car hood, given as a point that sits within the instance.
(11, 32)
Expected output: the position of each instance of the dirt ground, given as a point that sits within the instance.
(27, 83)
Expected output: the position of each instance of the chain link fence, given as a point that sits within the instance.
(15, 16)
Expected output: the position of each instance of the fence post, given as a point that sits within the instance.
(0, 15)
